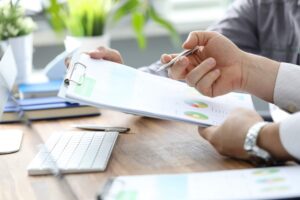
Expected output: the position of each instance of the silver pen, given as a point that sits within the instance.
(172, 62)
(93, 127)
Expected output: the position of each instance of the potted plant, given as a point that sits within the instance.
(16, 30)
(92, 18)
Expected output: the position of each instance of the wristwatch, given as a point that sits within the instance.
(258, 155)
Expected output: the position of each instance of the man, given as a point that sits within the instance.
(221, 67)
(270, 28)
(254, 26)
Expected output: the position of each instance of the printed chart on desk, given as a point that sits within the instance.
(123, 88)
(264, 183)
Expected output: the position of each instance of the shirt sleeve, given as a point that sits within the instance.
(152, 69)
(287, 88)
(239, 24)
(289, 132)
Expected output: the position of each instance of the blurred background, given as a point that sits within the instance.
(184, 15)
(142, 30)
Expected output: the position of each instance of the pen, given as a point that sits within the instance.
(172, 62)
(93, 127)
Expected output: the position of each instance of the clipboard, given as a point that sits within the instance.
(110, 85)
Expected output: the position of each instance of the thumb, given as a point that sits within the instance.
(208, 133)
(198, 38)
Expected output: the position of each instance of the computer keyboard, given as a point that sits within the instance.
(74, 152)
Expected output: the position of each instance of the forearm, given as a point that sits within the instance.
(259, 76)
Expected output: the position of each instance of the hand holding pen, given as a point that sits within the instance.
(177, 58)
(177, 64)
(215, 69)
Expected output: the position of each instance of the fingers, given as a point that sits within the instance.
(106, 54)
(179, 69)
(204, 76)
(206, 85)
(166, 58)
(208, 133)
(198, 38)
(67, 61)
(201, 70)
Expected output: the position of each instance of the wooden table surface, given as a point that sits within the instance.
(152, 147)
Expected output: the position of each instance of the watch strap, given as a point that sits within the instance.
(257, 154)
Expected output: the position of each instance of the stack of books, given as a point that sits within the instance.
(40, 102)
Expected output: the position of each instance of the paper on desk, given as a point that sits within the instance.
(263, 183)
(115, 86)
(8, 74)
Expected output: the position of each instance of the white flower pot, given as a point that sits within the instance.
(3, 46)
(86, 43)
(22, 48)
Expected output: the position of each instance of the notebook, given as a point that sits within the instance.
(261, 183)
(35, 90)
(46, 108)
(114, 86)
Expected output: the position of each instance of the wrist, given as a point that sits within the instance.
(269, 140)
(259, 76)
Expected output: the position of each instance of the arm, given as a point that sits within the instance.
(282, 140)
(219, 67)
(287, 88)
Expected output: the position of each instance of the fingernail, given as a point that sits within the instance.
(217, 71)
(211, 61)
(91, 52)
(100, 49)
(164, 58)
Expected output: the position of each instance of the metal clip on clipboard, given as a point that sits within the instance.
(76, 74)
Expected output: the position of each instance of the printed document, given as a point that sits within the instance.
(261, 183)
(106, 84)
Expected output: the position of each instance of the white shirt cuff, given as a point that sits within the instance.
(286, 92)
(289, 132)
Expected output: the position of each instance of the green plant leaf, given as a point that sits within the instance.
(138, 23)
(124, 8)
(54, 12)
(91, 17)
(167, 25)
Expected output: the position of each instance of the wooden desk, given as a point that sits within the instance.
(152, 147)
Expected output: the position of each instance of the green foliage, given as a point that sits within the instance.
(13, 22)
(92, 17)
(79, 17)
(141, 11)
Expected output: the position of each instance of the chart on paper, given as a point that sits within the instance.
(115, 86)
(264, 183)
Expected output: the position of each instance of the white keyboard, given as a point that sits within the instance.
(74, 152)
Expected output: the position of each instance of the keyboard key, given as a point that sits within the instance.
(105, 150)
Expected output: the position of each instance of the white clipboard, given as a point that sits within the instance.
(106, 84)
